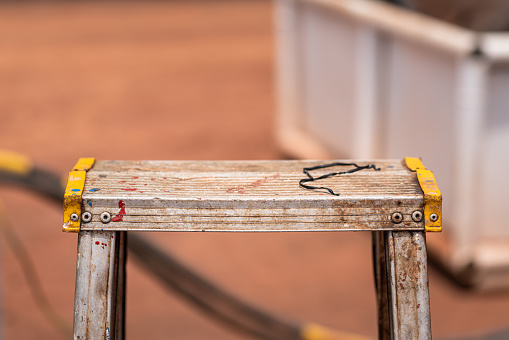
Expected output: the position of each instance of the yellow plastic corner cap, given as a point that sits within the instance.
(414, 163)
(432, 194)
(84, 164)
(72, 201)
(73, 194)
(432, 200)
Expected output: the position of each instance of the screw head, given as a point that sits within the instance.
(397, 217)
(417, 216)
(105, 217)
(75, 217)
(86, 217)
(433, 217)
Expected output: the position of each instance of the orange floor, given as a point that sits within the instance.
(174, 80)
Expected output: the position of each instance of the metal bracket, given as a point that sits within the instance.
(432, 195)
(73, 194)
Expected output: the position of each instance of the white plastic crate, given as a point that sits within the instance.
(367, 79)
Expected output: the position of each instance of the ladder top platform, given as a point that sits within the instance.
(249, 196)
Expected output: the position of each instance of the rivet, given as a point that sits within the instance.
(397, 217)
(433, 217)
(75, 217)
(417, 216)
(86, 217)
(105, 217)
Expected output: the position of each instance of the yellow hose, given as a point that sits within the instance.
(313, 331)
(14, 162)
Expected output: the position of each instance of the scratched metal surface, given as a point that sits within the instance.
(247, 196)
(95, 303)
(408, 295)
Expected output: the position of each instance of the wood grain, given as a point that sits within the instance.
(248, 196)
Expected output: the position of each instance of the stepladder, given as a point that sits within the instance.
(398, 201)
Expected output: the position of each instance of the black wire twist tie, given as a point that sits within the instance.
(312, 179)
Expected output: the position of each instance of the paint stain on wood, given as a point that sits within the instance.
(121, 213)
(241, 189)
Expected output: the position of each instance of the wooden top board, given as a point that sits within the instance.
(248, 196)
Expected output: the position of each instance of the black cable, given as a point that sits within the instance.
(39, 180)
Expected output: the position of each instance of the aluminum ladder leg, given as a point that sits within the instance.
(401, 278)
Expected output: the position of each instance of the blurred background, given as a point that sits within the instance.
(193, 80)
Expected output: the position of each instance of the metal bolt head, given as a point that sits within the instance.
(75, 217)
(433, 217)
(86, 217)
(397, 217)
(105, 217)
(417, 216)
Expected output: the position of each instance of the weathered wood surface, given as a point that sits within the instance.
(248, 196)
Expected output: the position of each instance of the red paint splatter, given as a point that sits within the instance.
(239, 190)
(135, 177)
(121, 181)
(103, 245)
(97, 242)
(128, 189)
(404, 279)
(121, 213)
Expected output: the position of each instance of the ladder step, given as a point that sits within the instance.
(245, 196)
